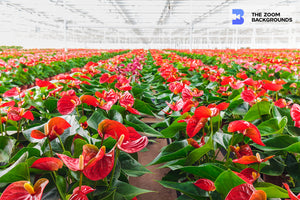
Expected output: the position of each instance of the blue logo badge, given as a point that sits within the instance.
(239, 13)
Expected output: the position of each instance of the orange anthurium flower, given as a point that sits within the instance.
(21, 190)
(291, 194)
(205, 184)
(246, 192)
(55, 126)
(89, 100)
(246, 160)
(247, 129)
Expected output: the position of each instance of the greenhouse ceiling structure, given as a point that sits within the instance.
(182, 24)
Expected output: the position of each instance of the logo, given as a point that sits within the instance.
(239, 13)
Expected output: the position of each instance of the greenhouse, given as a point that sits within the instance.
(142, 100)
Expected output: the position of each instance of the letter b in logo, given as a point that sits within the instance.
(238, 16)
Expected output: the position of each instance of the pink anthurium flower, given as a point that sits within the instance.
(126, 100)
(247, 129)
(21, 190)
(176, 106)
(12, 92)
(47, 163)
(295, 114)
(80, 194)
(16, 114)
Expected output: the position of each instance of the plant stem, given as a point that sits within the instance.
(82, 109)
(50, 147)
(211, 126)
(276, 96)
(209, 196)
(54, 177)
(114, 168)
(61, 143)
(80, 180)
(1, 130)
(77, 111)
(18, 130)
(228, 150)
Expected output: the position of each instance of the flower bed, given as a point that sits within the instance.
(232, 124)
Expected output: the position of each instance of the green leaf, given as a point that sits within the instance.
(208, 170)
(272, 126)
(115, 115)
(222, 138)
(199, 152)
(143, 107)
(175, 127)
(78, 144)
(257, 110)
(31, 152)
(51, 104)
(7, 144)
(272, 191)
(61, 184)
(141, 126)
(281, 143)
(130, 166)
(276, 168)
(82, 119)
(187, 188)
(128, 191)
(226, 181)
(4, 157)
(16, 172)
(96, 118)
(174, 151)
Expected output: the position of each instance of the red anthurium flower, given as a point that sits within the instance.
(68, 93)
(249, 81)
(205, 184)
(222, 106)
(195, 144)
(194, 125)
(176, 87)
(7, 104)
(291, 194)
(126, 100)
(243, 150)
(21, 190)
(269, 85)
(67, 104)
(89, 100)
(295, 114)
(248, 95)
(246, 192)
(132, 142)
(55, 126)
(47, 163)
(247, 129)
(12, 92)
(249, 175)
(95, 164)
(237, 85)
(84, 125)
(47, 84)
(176, 106)
(203, 112)
(81, 194)
(123, 84)
(281, 103)
(16, 114)
(246, 160)
(135, 143)
(189, 94)
(188, 104)
(106, 78)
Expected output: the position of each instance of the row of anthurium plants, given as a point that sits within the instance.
(22, 67)
(232, 123)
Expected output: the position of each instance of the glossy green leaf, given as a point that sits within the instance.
(272, 191)
(133, 121)
(226, 181)
(257, 110)
(128, 191)
(115, 115)
(130, 166)
(7, 144)
(31, 152)
(143, 107)
(96, 118)
(174, 151)
(170, 131)
(187, 188)
(272, 126)
(208, 170)
(78, 144)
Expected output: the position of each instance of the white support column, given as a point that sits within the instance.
(65, 28)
